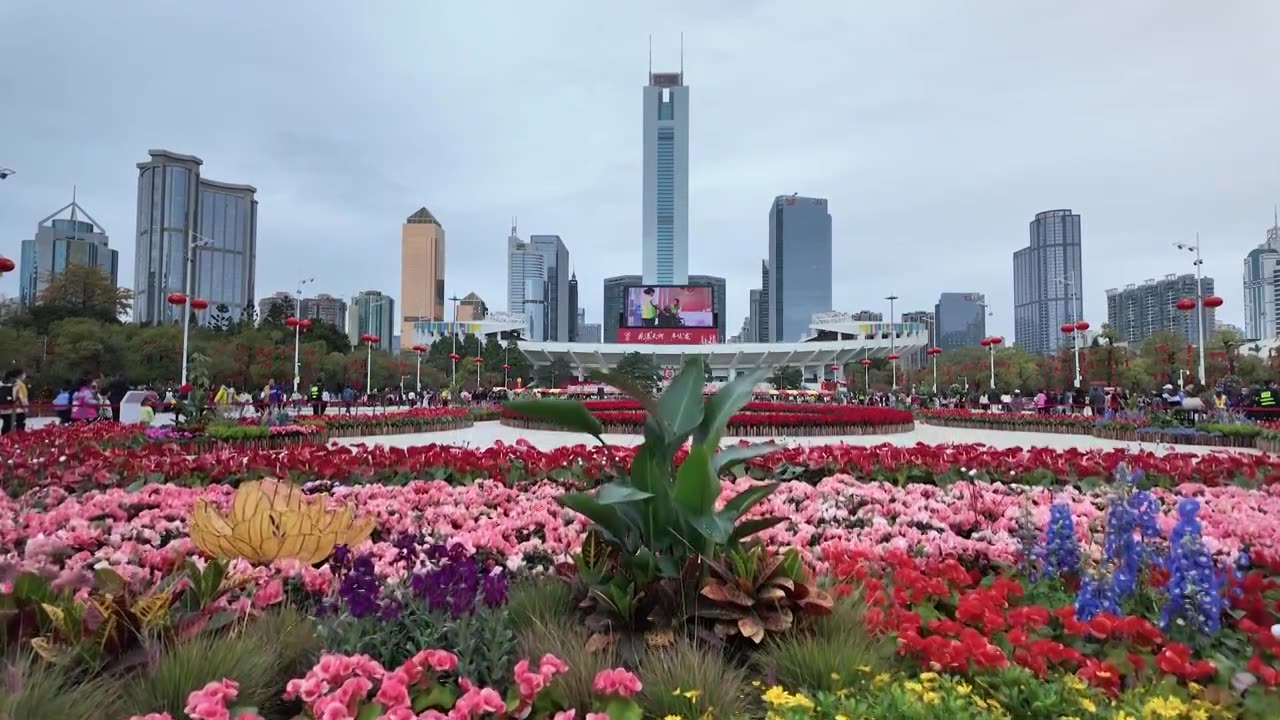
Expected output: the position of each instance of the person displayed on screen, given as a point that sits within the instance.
(675, 310)
(648, 309)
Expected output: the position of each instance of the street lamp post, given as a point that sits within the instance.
(893, 355)
(298, 327)
(453, 355)
(371, 340)
(192, 237)
(933, 353)
(990, 344)
(1200, 298)
(418, 350)
(1074, 325)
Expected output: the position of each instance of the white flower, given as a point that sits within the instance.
(1275, 631)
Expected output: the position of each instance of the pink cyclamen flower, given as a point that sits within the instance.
(617, 682)
(565, 715)
(597, 716)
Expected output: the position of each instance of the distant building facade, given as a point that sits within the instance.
(1261, 275)
(799, 265)
(960, 320)
(422, 270)
(762, 325)
(665, 202)
(615, 303)
(1048, 282)
(280, 297)
(60, 243)
(373, 313)
(1138, 311)
(557, 285)
(327, 308)
(471, 308)
(176, 205)
(867, 316)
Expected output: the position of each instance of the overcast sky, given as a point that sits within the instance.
(936, 128)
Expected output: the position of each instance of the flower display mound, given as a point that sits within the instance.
(754, 419)
(1165, 428)
(1008, 421)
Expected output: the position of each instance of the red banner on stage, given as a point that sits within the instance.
(668, 336)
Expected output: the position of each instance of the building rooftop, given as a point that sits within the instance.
(422, 216)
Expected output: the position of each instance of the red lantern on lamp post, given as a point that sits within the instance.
(991, 344)
(369, 340)
(1213, 301)
(866, 374)
(479, 361)
(199, 304)
(418, 350)
(933, 354)
(1082, 325)
(6, 265)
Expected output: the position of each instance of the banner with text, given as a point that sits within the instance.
(668, 336)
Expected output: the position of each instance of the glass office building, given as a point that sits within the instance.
(666, 180)
(799, 265)
(1048, 282)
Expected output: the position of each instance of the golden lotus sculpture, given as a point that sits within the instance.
(271, 520)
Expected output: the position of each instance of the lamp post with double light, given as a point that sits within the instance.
(893, 354)
(298, 326)
(933, 354)
(194, 240)
(990, 344)
(1200, 302)
(419, 350)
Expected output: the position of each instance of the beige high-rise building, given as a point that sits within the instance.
(421, 271)
(472, 308)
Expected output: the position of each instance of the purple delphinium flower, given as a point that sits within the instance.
(361, 588)
(1195, 587)
(456, 583)
(493, 589)
(1061, 550)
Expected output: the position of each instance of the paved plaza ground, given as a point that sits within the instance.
(485, 434)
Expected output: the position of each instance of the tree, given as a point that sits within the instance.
(86, 290)
(639, 369)
(277, 311)
(554, 374)
(220, 318)
(335, 341)
(787, 377)
(248, 317)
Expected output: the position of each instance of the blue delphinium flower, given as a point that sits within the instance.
(1061, 550)
(1096, 594)
(1195, 586)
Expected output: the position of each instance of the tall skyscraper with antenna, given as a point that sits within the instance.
(1261, 268)
(666, 176)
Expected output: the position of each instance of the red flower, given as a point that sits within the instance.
(1100, 674)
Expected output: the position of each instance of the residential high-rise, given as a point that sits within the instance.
(762, 325)
(924, 317)
(325, 307)
(471, 308)
(422, 258)
(178, 207)
(373, 313)
(575, 312)
(557, 290)
(1137, 311)
(799, 265)
(1048, 282)
(589, 333)
(666, 180)
(960, 320)
(1261, 316)
(60, 242)
(284, 299)
(615, 303)
(867, 316)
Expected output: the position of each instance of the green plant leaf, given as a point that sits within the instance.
(735, 454)
(680, 406)
(716, 527)
(697, 485)
(612, 493)
(566, 413)
(372, 711)
(606, 516)
(747, 528)
(622, 709)
(722, 405)
(747, 499)
(651, 476)
(108, 581)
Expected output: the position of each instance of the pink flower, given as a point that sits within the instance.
(152, 716)
(438, 660)
(565, 715)
(617, 682)
(269, 594)
(476, 700)
(394, 691)
(550, 664)
(597, 716)
(403, 712)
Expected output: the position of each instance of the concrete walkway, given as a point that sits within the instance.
(486, 433)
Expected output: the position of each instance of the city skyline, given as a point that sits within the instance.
(323, 193)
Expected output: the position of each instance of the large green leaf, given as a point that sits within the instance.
(650, 474)
(747, 499)
(612, 493)
(567, 413)
(680, 406)
(747, 528)
(727, 401)
(734, 454)
(697, 485)
(606, 516)
(715, 528)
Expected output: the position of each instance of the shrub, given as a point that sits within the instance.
(33, 689)
(693, 679)
(836, 653)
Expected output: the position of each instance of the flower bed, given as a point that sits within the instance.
(757, 419)
(1205, 434)
(1008, 421)
(89, 457)
(416, 420)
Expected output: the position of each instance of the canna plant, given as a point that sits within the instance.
(652, 527)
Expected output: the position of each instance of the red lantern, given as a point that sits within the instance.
(996, 340)
(1082, 325)
(479, 361)
(1067, 328)
(934, 351)
(455, 357)
(835, 368)
(1185, 304)
(506, 367)
(6, 264)
(176, 298)
(364, 338)
(419, 348)
(1212, 301)
(894, 356)
(865, 362)
(294, 322)
(374, 339)
(305, 324)
(984, 342)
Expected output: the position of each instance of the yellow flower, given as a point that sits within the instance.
(692, 694)
(778, 697)
(913, 686)
(880, 680)
(864, 668)
(1194, 688)
(1088, 704)
(930, 697)
(673, 717)
(1166, 707)
(928, 677)
(1073, 682)
(835, 676)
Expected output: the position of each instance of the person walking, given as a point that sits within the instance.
(84, 404)
(14, 402)
(117, 388)
(62, 403)
(315, 394)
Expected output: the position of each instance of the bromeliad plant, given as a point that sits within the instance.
(653, 526)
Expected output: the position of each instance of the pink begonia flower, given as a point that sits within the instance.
(476, 700)
(617, 682)
(394, 691)
(401, 712)
(269, 594)
(597, 716)
(152, 716)
(565, 715)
